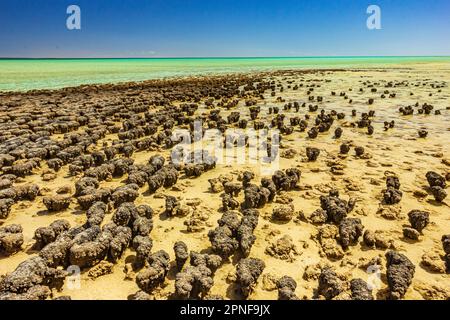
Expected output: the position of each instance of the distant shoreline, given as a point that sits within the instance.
(200, 58)
(149, 82)
(19, 75)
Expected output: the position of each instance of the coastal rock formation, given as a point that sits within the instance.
(400, 272)
(154, 275)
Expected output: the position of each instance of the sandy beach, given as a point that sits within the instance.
(53, 139)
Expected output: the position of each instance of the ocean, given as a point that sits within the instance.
(30, 74)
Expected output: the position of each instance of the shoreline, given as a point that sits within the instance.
(53, 74)
(250, 57)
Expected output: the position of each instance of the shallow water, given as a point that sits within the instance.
(28, 74)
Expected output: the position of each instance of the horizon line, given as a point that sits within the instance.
(227, 57)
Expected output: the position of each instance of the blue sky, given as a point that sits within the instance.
(221, 28)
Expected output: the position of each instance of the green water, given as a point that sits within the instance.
(28, 74)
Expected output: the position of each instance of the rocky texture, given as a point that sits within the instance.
(286, 288)
(248, 271)
(11, 239)
(153, 275)
(400, 272)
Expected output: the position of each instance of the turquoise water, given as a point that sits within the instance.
(28, 74)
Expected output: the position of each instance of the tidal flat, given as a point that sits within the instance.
(92, 205)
